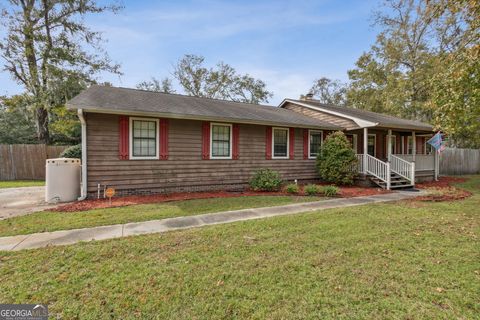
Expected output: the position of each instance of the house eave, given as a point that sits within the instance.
(360, 122)
(89, 109)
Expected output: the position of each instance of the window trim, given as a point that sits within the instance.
(394, 143)
(374, 135)
(409, 138)
(309, 139)
(355, 141)
(130, 139)
(273, 143)
(211, 140)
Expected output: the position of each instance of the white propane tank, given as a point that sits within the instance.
(62, 179)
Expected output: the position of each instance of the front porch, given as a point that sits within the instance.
(394, 159)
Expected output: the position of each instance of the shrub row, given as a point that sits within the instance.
(313, 189)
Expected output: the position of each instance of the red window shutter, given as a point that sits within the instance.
(235, 138)
(163, 148)
(291, 143)
(305, 144)
(123, 145)
(268, 143)
(206, 140)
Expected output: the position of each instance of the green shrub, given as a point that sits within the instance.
(336, 159)
(292, 188)
(330, 191)
(311, 189)
(72, 152)
(266, 180)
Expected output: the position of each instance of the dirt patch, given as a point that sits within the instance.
(442, 190)
(345, 192)
(444, 194)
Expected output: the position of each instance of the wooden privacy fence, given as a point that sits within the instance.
(455, 161)
(26, 161)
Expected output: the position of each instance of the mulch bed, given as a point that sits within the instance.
(442, 190)
(345, 192)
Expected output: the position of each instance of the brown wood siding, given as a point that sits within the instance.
(184, 168)
(339, 121)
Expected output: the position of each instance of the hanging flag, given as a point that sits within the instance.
(437, 142)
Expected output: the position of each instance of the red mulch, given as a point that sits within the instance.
(345, 192)
(442, 182)
(442, 190)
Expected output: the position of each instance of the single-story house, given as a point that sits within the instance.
(143, 142)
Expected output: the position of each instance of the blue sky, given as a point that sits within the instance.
(288, 44)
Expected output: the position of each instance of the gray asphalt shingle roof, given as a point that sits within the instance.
(382, 120)
(117, 100)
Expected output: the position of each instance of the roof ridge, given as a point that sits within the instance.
(358, 109)
(184, 95)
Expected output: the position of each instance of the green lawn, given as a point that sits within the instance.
(21, 183)
(405, 260)
(51, 221)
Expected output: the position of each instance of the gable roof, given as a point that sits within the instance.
(363, 118)
(103, 99)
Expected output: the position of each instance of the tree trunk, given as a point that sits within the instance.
(42, 125)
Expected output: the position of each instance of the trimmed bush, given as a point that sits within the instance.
(330, 191)
(292, 188)
(266, 180)
(72, 152)
(311, 189)
(336, 159)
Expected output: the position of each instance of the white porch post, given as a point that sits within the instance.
(414, 148)
(389, 145)
(436, 164)
(414, 151)
(365, 149)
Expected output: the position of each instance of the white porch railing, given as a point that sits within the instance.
(403, 168)
(423, 162)
(378, 168)
(360, 163)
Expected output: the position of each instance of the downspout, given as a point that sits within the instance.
(84, 155)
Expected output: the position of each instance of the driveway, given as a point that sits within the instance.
(21, 201)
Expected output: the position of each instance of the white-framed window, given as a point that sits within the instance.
(220, 141)
(393, 143)
(428, 149)
(409, 145)
(315, 138)
(353, 141)
(143, 141)
(372, 144)
(280, 143)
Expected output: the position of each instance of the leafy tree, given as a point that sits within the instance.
(221, 82)
(455, 98)
(423, 66)
(47, 41)
(329, 91)
(165, 85)
(17, 123)
(336, 159)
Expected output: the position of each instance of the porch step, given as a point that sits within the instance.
(396, 182)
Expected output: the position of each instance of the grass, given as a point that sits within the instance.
(21, 183)
(404, 260)
(51, 221)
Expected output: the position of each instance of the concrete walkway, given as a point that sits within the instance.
(16, 202)
(65, 237)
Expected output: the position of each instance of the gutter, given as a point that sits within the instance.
(84, 155)
(205, 118)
